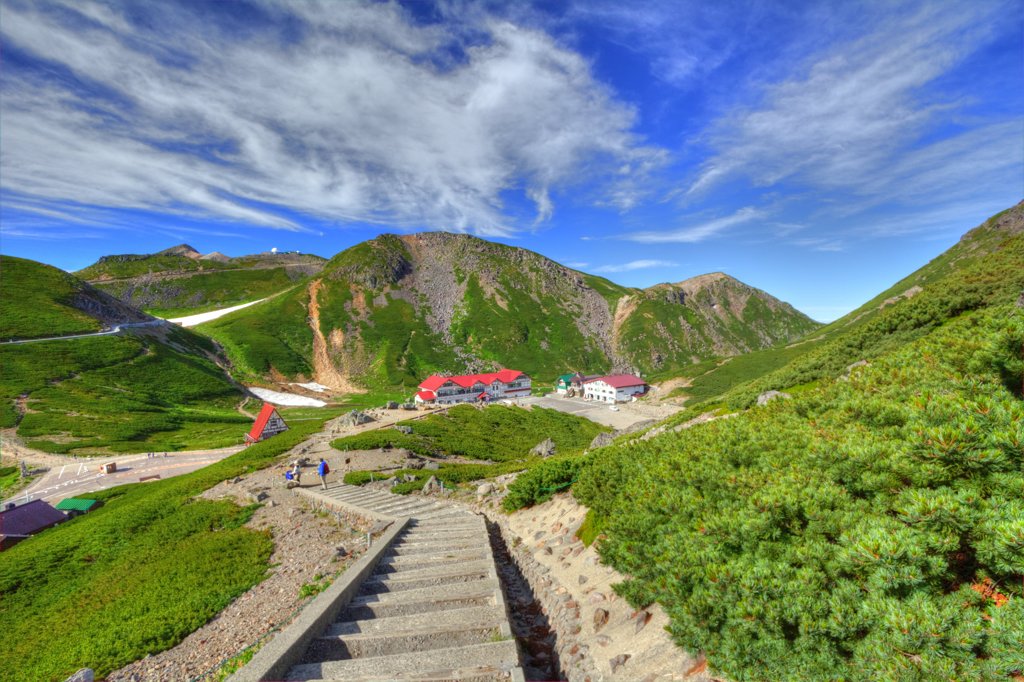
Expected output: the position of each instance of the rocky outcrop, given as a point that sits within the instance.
(545, 448)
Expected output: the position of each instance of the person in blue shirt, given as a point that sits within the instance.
(322, 470)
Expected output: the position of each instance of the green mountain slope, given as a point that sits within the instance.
(156, 388)
(870, 529)
(392, 310)
(985, 267)
(39, 300)
(180, 281)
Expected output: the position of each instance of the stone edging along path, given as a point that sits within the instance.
(424, 602)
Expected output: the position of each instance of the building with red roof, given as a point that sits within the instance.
(614, 388)
(464, 388)
(268, 423)
(19, 522)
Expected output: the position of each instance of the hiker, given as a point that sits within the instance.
(297, 472)
(322, 470)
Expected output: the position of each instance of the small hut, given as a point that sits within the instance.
(268, 423)
(74, 506)
(20, 522)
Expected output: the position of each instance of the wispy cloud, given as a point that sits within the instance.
(699, 232)
(635, 265)
(343, 114)
(845, 121)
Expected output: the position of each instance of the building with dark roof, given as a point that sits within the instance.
(26, 520)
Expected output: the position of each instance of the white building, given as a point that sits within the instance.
(615, 388)
(508, 383)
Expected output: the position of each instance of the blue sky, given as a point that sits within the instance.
(820, 151)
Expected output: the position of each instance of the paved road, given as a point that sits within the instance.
(83, 477)
(620, 418)
(113, 330)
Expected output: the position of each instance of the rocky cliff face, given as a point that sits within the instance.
(396, 308)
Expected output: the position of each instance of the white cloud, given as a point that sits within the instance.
(847, 119)
(697, 233)
(635, 265)
(361, 115)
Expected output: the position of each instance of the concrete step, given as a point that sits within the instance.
(480, 659)
(475, 616)
(430, 535)
(394, 583)
(442, 514)
(370, 645)
(429, 602)
(415, 572)
(434, 593)
(417, 560)
(401, 549)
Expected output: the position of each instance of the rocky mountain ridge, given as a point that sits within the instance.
(397, 307)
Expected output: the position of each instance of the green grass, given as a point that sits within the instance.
(272, 336)
(134, 577)
(200, 292)
(497, 433)
(11, 481)
(836, 535)
(38, 300)
(118, 394)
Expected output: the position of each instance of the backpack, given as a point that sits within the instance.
(327, 468)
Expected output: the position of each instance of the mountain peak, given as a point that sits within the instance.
(180, 250)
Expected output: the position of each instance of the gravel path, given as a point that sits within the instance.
(305, 544)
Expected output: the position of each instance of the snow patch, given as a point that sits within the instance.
(285, 399)
(313, 386)
(193, 320)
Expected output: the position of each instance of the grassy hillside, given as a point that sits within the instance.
(501, 437)
(38, 300)
(270, 338)
(129, 393)
(177, 282)
(134, 577)
(985, 268)
(202, 292)
(858, 531)
(394, 309)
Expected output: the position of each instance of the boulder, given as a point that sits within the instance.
(356, 418)
(601, 440)
(431, 466)
(485, 489)
(769, 396)
(392, 405)
(545, 448)
(402, 428)
(431, 486)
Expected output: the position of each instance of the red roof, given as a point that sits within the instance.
(433, 382)
(505, 376)
(426, 395)
(29, 518)
(620, 380)
(261, 421)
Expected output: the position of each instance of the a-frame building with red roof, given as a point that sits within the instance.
(268, 423)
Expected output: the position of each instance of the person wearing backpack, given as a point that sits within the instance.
(322, 470)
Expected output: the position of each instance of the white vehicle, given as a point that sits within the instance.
(613, 408)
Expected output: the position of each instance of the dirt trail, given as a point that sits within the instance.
(324, 371)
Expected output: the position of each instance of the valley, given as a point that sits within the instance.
(785, 500)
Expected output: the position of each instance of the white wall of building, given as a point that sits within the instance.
(602, 392)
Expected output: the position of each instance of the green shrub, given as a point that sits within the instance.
(496, 433)
(836, 535)
(539, 483)
(135, 576)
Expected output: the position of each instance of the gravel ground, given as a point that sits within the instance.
(305, 544)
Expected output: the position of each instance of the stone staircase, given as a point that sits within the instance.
(432, 607)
